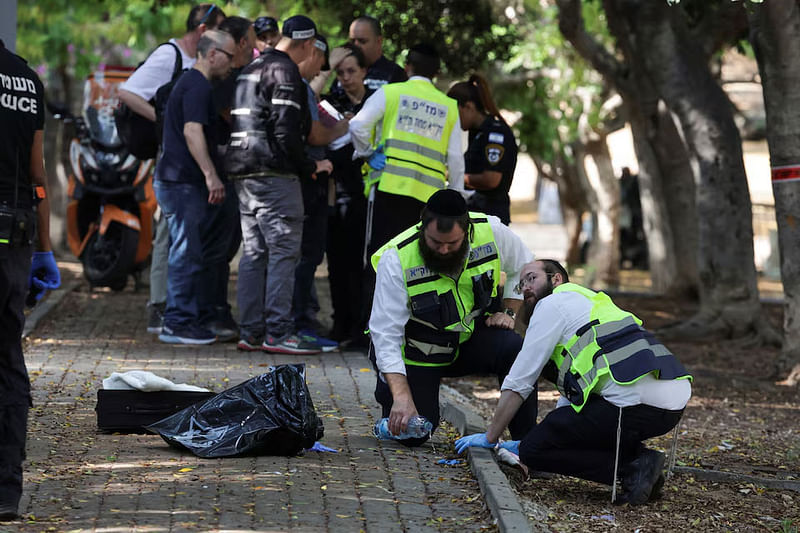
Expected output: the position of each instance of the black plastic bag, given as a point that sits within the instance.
(271, 414)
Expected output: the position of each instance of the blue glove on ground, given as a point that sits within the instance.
(44, 273)
(510, 445)
(476, 440)
(319, 447)
(378, 159)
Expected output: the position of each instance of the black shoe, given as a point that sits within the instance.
(657, 492)
(155, 316)
(8, 513)
(641, 476)
(225, 331)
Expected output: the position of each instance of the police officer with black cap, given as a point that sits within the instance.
(22, 187)
(429, 319)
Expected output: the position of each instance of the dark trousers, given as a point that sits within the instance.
(488, 351)
(15, 389)
(584, 444)
(346, 226)
(221, 235)
(391, 214)
(312, 250)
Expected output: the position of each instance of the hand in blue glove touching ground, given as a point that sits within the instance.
(476, 440)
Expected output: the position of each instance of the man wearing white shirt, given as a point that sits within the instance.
(619, 387)
(409, 134)
(137, 92)
(435, 282)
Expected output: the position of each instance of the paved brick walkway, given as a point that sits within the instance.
(79, 479)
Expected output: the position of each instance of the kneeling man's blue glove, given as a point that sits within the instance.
(510, 445)
(44, 273)
(378, 159)
(476, 440)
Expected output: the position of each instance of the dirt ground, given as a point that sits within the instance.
(738, 420)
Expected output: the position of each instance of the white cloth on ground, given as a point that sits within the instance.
(145, 381)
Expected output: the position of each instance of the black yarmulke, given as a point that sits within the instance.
(447, 202)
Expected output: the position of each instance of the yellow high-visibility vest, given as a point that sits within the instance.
(417, 125)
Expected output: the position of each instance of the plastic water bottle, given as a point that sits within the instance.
(418, 426)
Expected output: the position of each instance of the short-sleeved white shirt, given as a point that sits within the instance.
(156, 71)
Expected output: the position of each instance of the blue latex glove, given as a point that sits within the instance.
(319, 447)
(378, 159)
(476, 440)
(510, 445)
(44, 274)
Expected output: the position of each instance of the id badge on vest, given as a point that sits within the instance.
(421, 117)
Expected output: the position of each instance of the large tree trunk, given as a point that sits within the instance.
(664, 172)
(729, 303)
(774, 28)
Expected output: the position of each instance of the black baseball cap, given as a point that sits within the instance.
(299, 27)
(322, 43)
(265, 24)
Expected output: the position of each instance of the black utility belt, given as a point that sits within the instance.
(17, 226)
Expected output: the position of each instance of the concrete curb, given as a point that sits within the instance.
(500, 497)
(51, 302)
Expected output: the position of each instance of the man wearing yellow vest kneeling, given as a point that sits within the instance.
(435, 282)
(619, 386)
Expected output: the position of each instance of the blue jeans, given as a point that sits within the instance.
(222, 234)
(184, 206)
(271, 210)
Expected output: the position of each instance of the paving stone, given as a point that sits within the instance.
(79, 479)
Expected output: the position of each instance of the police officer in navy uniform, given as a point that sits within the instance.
(22, 186)
(491, 155)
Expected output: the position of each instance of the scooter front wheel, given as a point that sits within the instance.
(108, 259)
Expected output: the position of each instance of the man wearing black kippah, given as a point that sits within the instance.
(435, 282)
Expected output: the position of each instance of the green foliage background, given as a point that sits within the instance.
(515, 43)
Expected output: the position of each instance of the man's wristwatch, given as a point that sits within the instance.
(511, 313)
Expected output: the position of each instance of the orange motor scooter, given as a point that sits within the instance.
(111, 198)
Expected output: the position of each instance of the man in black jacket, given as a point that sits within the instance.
(266, 160)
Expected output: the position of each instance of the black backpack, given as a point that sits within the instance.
(141, 136)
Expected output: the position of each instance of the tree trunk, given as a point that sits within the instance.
(774, 27)
(664, 173)
(605, 247)
(729, 303)
(572, 197)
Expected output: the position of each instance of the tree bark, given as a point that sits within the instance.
(664, 173)
(774, 27)
(605, 254)
(729, 303)
(572, 198)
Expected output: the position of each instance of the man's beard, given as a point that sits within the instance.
(530, 303)
(447, 264)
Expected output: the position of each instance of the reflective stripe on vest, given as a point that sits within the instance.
(613, 343)
(417, 125)
(443, 310)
